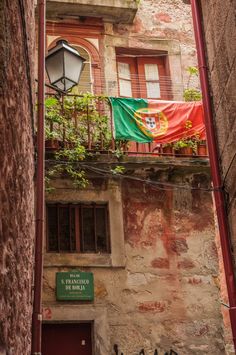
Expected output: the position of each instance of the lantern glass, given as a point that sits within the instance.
(54, 66)
(73, 67)
(64, 66)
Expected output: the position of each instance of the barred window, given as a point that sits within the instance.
(82, 228)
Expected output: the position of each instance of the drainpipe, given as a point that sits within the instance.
(37, 305)
(215, 167)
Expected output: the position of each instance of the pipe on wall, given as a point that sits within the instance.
(215, 167)
(38, 273)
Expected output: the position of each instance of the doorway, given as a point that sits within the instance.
(67, 339)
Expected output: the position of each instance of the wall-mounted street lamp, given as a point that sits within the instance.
(64, 66)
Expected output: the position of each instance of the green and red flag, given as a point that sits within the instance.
(145, 121)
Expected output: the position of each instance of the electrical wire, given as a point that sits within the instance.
(230, 203)
(229, 167)
(109, 81)
(108, 173)
(110, 85)
(147, 181)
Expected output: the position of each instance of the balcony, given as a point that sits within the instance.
(79, 140)
(116, 11)
(85, 121)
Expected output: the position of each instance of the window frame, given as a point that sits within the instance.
(79, 239)
(138, 78)
(109, 192)
(133, 74)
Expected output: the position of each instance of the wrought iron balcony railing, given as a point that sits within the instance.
(86, 121)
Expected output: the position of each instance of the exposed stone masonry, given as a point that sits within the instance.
(219, 19)
(163, 20)
(166, 292)
(17, 172)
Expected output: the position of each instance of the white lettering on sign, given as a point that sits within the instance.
(74, 275)
(73, 286)
(78, 287)
(77, 282)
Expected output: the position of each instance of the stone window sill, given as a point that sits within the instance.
(52, 260)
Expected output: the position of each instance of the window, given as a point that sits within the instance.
(78, 228)
(144, 77)
(152, 80)
(85, 82)
(124, 79)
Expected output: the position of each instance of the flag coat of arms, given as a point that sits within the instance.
(145, 121)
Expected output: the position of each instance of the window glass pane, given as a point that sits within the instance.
(101, 230)
(85, 82)
(125, 88)
(153, 90)
(124, 70)
(151, 72)
(87, 230)
(52, 228)
(64, 230)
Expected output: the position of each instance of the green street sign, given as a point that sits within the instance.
(74, 286)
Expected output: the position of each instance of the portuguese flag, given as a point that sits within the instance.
(145, 121)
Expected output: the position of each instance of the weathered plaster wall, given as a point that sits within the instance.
(166, 294)
(220, 35)
(16, 171)
(164, 20)
(158, 25)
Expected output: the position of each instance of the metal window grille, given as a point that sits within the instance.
(82, 228)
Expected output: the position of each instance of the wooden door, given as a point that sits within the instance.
(67, 339)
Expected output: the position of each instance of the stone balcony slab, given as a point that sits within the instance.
(116, 11)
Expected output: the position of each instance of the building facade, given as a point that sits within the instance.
(220, 50)
(219, 28)
(17, 174)
(146, 236)
(156, 285)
